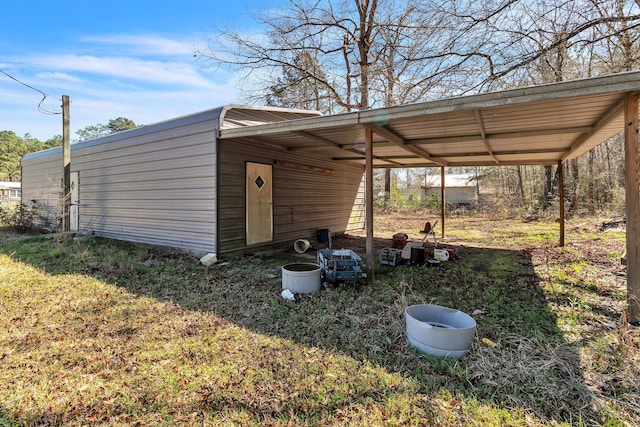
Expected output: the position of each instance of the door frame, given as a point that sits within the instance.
(258, 224)
(74, 201)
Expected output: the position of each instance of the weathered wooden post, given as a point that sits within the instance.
(632, 190)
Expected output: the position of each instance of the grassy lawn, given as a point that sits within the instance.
(99, 332)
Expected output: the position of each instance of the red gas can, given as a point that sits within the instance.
(399, 240)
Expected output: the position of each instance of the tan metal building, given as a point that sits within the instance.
(176, 184)
(461, 189)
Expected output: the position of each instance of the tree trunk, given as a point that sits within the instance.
(590, 160)
(548, 188)
(477, 186)
(367, 10)
(387, 187)
(520, 184)
(575, 187)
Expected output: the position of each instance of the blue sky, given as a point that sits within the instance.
(132, 59)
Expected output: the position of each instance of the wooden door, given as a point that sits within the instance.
(259, 202)
(74, 203)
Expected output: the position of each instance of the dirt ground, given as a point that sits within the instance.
(474, 234)
(388, 225)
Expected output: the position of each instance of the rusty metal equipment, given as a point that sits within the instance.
(337, 264)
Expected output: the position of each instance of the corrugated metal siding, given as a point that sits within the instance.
(42, 186)
(454, 195)
(303, 200)
(154, 185)
(357, 217)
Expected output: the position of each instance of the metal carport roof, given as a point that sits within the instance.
(533, 125)
(540, 125)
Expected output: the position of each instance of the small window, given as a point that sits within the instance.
(15, 192)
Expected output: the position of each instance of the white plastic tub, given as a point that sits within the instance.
(439, 331)
(301, 277)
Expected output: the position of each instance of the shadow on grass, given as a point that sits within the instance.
(519, 360)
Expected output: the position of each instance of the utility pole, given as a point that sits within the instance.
(66, 163)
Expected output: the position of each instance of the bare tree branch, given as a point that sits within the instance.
(365, 53)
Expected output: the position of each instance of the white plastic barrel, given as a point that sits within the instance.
(301, 277)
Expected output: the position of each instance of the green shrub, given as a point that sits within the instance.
(27, 217)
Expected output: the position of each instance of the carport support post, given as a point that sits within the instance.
(368, 180)
(632, 189)
(66, 164)
(561, 196)
(442, 200)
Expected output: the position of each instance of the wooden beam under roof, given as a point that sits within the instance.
(316, 138)
(504, 135)
(612, 114)
(315, 148)
(483, 153)
(462, 155)
(391, 162)
(330, 144)
(483, 135)
(468, 138)
(264, 143)
(400, 142)
(452, 163)
(508, 152)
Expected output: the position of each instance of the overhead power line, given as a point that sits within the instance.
(41, 109)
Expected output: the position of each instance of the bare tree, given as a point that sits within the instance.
(293, 89)
(498, 42)
(341, 55)
(344, 55)
(336, 42)
(366, 53)
(552, 42)
(616, 40)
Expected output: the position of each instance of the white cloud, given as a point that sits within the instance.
(144, 44)
(156, 71)
(145, 88)
(95, 104)
(49, 76)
